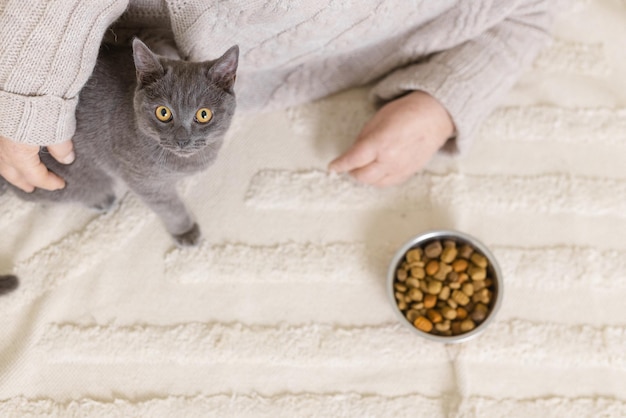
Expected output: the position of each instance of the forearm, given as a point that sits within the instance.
(471, 78)
(47, 53)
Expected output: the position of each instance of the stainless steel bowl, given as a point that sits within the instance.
(461, 238)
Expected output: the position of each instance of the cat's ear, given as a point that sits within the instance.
(147, 64)
(223, 72)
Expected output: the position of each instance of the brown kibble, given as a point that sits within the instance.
(461, 313)
(488, 282)
(448, 254)
(415, 294)
(432, 267)
(463, 277)
(459, 265)
(480, 312)
(418, 306)
(465, 251)
(477, 273)
(460, 297)
(480, 260)
(412, 315)
(479, 284)
(442, 327)
(400, 287)
(445, 293)
(418, 272)
(455, 285)
(414, 254)
(483, 296)
(478, 316)
(402, 305)
(444, 270)
(467, 325)
(448, 312)
(423, 324)
(412, 282)
(433, 250)
(452, 277)
(455, 326)
(399, 295)
(468, 289)
(452, 303)
(423, 286)
(434, 287)
(434, 316)
(401, 275)
(430, 301)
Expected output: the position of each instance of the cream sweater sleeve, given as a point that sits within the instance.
(470, 78)
(47, 52)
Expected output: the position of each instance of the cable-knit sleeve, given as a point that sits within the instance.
(47, 52)
(470, 78)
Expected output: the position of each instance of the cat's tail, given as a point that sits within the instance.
(8, 283)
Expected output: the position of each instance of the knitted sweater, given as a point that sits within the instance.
(466, 54)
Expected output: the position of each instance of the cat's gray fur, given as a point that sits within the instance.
(118, 135)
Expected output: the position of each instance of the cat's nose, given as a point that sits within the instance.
(182, 143)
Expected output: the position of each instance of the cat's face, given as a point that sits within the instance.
(185, 107)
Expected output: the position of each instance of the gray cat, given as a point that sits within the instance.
(147, 121)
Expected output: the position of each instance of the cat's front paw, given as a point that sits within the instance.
(190, 238)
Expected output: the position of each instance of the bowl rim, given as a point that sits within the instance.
(443, 234)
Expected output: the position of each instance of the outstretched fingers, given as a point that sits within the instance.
(358, 155)
(372, 173)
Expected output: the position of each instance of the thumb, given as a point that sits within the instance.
(358, 155)
(63, 152)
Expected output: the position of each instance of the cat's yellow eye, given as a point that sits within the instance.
(163, 113)
(204, 115)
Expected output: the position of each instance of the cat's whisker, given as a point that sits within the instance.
(163, 159)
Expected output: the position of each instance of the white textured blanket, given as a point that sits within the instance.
(283, 312)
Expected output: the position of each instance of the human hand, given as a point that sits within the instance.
(20, 164)
(397, 142)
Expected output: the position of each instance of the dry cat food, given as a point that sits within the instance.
(444, 288)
